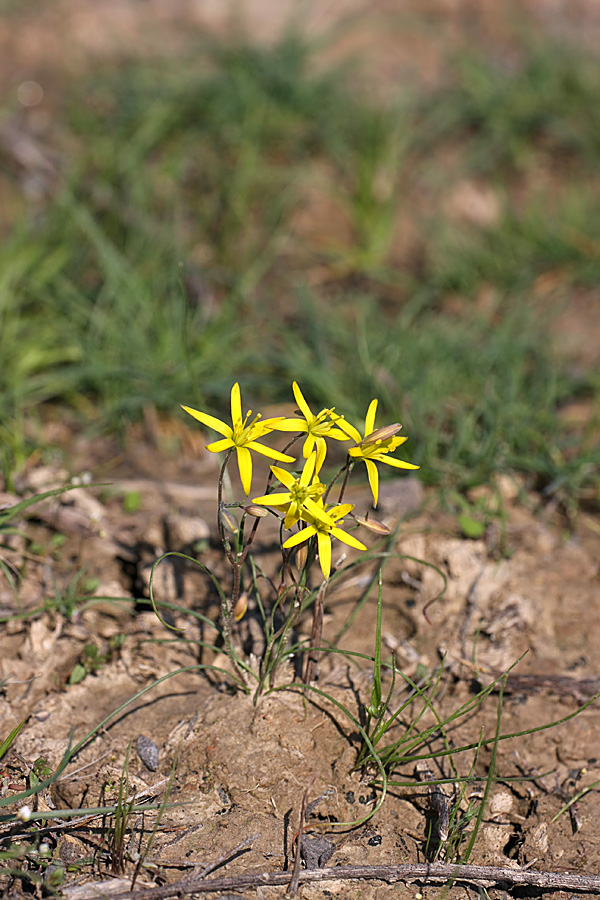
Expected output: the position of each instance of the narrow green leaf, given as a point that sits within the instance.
(8, 741)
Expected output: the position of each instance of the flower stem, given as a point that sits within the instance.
(227, 608)
(345, 470)
(312, 662)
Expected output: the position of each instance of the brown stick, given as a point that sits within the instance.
(486, 876)
(295, 879)
(312, 660)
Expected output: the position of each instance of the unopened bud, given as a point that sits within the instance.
(239, 610)
(24, 814)
(301, 557)
(382, 434)
(229, 521)
(259, 512)
(373, 525)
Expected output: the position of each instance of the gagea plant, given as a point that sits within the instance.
(310, 520)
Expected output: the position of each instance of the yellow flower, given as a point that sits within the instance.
(242, 437)
(317, 428)
(374, 447)
(301, 494)
(325, 532)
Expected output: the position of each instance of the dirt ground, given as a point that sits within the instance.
(241, 769)
(530, 586)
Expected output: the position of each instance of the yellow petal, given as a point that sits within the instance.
(272, 454)
(257, 430)
(373, 479)
(220, 446)
(291, 517)
(288, 424)
(244, 458)
(273, 500)
(370, 418)
(351, 433)
(356, 452)
(321, 453)
(396, 441)
(302, 535)
(284, 477)
(318, 513)
(338, 512)
(308, 445)
(347, 538)
(397, 463)
(324, 542)
(270, 423)
(236, 403)
(307, 471)
(209, 421)
(302, 404)
(338, 435)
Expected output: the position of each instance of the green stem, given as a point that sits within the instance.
(220, 505)
(227, 608)
(346, 468)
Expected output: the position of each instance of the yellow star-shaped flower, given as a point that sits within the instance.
(374, 447)
(240, 436)
(325, 532)
(317, 428)
(301, 494)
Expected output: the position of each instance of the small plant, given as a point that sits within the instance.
(26, 853)
(474, 516)
(425, 744)
(303, 506)
(92, 659)
(69, 596)
(6, 743)
(64, 601)
(125, 803)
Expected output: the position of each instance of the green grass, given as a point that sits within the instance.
(511, 108)
(169, 262)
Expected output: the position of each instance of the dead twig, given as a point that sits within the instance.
(485, 876)
(312, 660)
(439, 812)
(295, 879)
(227, 856)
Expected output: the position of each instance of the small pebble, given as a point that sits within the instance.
(147, 752)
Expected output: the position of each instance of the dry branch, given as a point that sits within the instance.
(485, 876)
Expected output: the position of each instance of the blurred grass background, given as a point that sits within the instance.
(248, 213)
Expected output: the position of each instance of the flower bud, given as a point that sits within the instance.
(382, 434)
(301, 557)
(229, 521)
(24, 814)
(241, 606)
(373, 525)
(257, 511)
